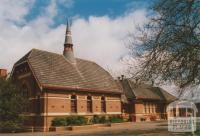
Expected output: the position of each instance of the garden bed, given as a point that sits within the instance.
(73, 128)
(82, 123)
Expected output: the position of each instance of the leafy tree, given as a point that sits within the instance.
(169, 44)
(12, 104)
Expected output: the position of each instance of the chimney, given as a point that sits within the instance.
(3, 72)
(122, 77)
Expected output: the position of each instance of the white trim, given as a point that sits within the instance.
(81, 113)
(55, 114)
(67, 113)
(114, 100)
(113, 113)
(50, 97)
(98, 113)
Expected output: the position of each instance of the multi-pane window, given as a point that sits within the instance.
(89, 104)
(103, 104)
(158, 108)
(150, 107)
(73, 104)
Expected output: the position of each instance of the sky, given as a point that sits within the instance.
(99, 28)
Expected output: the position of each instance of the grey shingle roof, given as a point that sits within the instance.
(144, 91)
(55, 70)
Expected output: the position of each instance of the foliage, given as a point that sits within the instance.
(76, 120)
(197, 133)
(169, 44)
(12, 104)
(69, 121)
(11, 126)
(81, 120)
(59, 122)
(99, 119)
(115, 119)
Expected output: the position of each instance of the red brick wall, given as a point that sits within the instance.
(58, 105)
(3, 72)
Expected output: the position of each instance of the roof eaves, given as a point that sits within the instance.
(48, 86)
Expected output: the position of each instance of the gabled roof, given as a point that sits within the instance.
(55, 71)
(145, 91)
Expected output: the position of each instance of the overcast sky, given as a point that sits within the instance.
(99, 29)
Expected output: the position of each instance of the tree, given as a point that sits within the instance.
(169, 44)
(12, 104)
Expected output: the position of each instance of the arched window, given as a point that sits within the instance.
(103, 104)
(73, 104)
(89, 104)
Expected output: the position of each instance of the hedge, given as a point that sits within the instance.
(69, 121)
(81, 120)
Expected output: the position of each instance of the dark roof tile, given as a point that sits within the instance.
(54, 69)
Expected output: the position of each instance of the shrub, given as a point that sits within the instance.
(69, 121)
(12, 105)
(10, 126)
(95, 119)
(59, 122)
(103, 120)
(197, 133)
(99, 119)
(76, 120)
(115, 119)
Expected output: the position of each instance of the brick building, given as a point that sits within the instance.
(60, 85)
(3, 72)
(143, 102)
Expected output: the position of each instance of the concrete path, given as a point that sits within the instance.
(128, 129)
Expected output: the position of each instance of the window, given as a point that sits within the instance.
(89, 104)
(154, 108)
(103, 104)
(158, 108)
(73, 104)
(149, 108)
